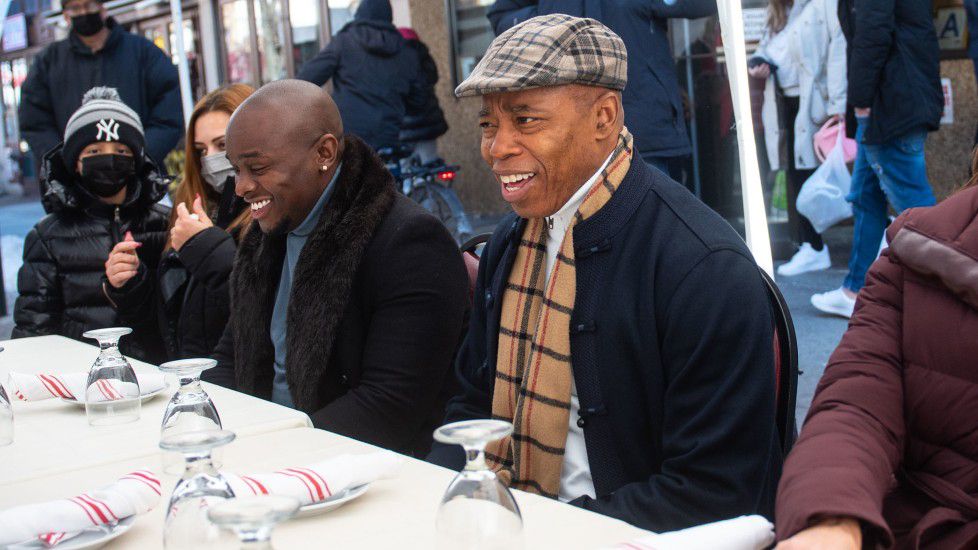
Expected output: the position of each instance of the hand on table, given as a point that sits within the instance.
(187, 224)
(761, 71)
(123, 263)
(830, 534)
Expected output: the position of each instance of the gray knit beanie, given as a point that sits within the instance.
(102, 117)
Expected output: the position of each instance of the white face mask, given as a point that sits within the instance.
(216, 169)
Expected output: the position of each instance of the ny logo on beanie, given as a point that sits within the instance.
(111, 129)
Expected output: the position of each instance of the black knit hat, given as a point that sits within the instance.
(102, 117)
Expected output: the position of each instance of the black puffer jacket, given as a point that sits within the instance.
(188, 294)
(894, 66)
(60, 284)
(427, 121)
(376, 78)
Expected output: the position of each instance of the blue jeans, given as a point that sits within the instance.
(892, 172)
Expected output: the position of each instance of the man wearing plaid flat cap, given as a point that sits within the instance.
(620, 324)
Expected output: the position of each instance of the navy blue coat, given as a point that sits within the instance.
(145, 77)
(653, 108)
(671, 340)
(894, 66)
(376, 77)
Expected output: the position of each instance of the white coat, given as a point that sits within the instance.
(814, 47)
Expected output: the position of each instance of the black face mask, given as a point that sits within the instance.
(106, 175)
(88, 24)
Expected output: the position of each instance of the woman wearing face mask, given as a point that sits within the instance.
(102, 192)
(188, 296)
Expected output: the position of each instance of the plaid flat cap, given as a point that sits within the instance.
(550, 50)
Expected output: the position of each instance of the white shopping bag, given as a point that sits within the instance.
(822, 198)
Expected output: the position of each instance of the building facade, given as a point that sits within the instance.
(257, 41)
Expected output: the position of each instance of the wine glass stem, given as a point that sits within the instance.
(475, 457)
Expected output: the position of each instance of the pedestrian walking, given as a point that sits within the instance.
(653, 108)
(99, 52)
(376, 78)
(101, 192)
(895, 89)
(188, 294)
(803, 55)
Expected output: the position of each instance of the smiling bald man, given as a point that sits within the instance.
(347, 298)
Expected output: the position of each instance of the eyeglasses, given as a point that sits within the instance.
(79, 8)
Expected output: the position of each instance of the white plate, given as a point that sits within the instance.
(333, 502)
(143, 398)
(90, 539)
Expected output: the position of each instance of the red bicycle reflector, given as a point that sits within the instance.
(446, 176)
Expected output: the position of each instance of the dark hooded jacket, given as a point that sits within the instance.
(188, 294)
(142, 73)
(428, 121)
(652, 103)
(376, 78)
(893, 65)
(892, 435)
(60, 284)
(377, 309)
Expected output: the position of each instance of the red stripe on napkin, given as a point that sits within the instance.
(50, 386)
(320, 478)
(304, 481)
(61, 385)
(312, 480)
(86, 508)
(98, 510)
(260, 488)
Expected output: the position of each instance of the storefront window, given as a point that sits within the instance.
(304, 19)
(193, 58)
(340, 13)
(237, 41)
(471, 35)
(271, 39)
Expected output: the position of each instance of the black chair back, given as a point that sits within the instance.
(785, 364)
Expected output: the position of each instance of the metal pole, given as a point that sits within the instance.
(694, 131)
(755, 217)
(183, 69)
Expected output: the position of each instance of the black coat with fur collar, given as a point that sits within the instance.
(378, 303)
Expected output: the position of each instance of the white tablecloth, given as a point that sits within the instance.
(51, 437)
(393, 513)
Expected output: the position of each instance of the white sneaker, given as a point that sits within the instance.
(834, 302)
(805, 260)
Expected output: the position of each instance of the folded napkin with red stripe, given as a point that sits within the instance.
(743, 533)
(56, 521)
(36, 387)
(317, 482)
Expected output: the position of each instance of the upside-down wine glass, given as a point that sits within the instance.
(477, 512)
(200, 487)
(112, 392)
(190, 409)
(6, 418)
(253, 518)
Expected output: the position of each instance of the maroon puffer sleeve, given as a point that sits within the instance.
(852, 441)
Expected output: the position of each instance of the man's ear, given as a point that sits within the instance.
(607, 115)
(327, 150)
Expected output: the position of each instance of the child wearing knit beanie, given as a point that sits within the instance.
(101, 194)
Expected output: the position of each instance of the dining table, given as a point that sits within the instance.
(56, 454)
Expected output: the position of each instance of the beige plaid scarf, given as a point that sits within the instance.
(533, 365)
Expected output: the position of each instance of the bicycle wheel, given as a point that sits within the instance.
(433, 202)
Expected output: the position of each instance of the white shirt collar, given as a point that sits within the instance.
(561, 220)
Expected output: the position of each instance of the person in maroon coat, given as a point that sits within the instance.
(888, 456)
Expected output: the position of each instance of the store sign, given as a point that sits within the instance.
(14, 33)
(948, 116)
(952, 28)
(755, 20)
